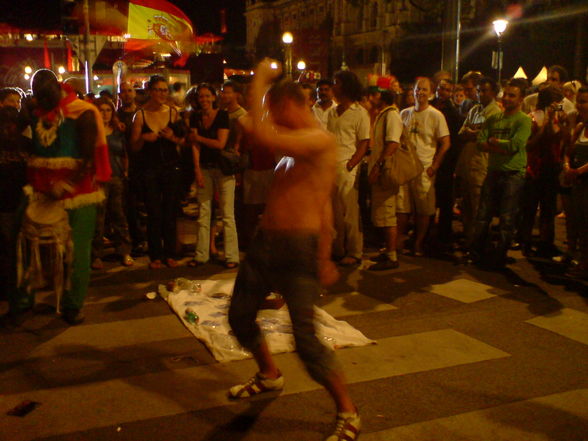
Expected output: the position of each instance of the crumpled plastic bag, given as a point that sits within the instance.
(210, 300)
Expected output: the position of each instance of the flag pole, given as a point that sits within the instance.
(88, 63)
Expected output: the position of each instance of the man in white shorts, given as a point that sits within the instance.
(385, 141)
(426, 131)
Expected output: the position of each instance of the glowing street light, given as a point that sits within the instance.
(274, 65)
(499, 28)
(28, 37)
(301, 65)
(27, 76)
(61, 70)
(28, 70)
(288, 39)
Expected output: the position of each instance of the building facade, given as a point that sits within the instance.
(362, 35)
(310, 22)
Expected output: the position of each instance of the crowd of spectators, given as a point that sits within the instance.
(509, 150)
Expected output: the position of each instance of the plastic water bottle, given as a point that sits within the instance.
(163, 292)
(191, 316)
(189, 285)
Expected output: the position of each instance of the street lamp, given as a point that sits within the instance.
(287, 39)
(301, 65)
(499, 28)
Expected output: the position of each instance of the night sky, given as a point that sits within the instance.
(205, 15)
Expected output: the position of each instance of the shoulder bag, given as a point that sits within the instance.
(400, 167)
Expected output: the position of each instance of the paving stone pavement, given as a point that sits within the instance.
(462, 354)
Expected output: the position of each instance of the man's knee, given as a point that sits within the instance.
(245, 329)
(507, 221)
(318, 359)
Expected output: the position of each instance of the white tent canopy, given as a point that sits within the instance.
(520, 73)
(541, 77)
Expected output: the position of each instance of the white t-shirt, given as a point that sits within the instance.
(349, 129)
(422, 130)
(393, 125)
(322, 115)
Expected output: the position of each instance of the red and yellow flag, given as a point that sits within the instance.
(158, 20)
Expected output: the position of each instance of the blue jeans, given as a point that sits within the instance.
(501, 195)
(285, 263)
(214, 179)
(112, 209)
(580, 214)
(539, 192)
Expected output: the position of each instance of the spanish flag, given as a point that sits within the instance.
(158, 20)
(159, 23)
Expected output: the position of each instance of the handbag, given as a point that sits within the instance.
(229, 162)
(400, 167)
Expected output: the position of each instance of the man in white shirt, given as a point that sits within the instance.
(325, 102)
(426, 131)
(350, 123)
(386, 140)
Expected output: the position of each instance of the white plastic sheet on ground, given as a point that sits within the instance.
(212, 328)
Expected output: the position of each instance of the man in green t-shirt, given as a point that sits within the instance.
(504, 136)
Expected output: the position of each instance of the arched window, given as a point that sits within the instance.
(359, 56)
(374, 54)
(374, 16)
(360, 18)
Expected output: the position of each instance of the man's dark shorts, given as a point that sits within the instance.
(286, 263)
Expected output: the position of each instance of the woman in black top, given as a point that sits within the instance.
(156, 138)
(209, 131)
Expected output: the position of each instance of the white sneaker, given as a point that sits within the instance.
(347, 428)
(256, 385)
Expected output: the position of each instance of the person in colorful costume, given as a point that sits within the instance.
(69, 160)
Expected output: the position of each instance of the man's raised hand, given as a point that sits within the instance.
(268, 70)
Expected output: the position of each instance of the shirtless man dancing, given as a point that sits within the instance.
(292, 248)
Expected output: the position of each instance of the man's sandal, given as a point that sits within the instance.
(171, 263)
(349, 261)
(155, 264)
(127, 260)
